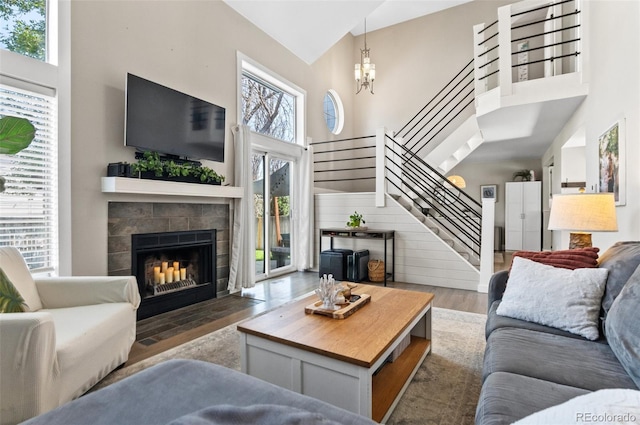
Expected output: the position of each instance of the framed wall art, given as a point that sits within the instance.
(489, 191)
(611, 161)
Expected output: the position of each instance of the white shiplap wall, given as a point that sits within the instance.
(421, 257)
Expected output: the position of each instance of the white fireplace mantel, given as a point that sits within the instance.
(167, 188)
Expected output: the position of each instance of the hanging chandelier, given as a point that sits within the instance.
(365, 71)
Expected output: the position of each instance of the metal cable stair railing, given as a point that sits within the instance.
(454, 211)
(450, 103)
(361, 160)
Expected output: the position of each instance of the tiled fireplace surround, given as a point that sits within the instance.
(127, 218)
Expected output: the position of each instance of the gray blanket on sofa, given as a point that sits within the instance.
(192, 392)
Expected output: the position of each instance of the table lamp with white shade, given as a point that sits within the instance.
(581, 214)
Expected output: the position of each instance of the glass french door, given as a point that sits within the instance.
(272, 207)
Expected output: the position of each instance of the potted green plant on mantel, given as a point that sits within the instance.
(16, 134)
(356, 221)
(151, 166)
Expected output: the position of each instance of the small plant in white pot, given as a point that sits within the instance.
(355, 221)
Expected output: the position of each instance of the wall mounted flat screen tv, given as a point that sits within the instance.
(160, 119)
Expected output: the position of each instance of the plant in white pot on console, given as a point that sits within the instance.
(15, 135)
(355, 220)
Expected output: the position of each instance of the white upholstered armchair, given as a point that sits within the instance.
(75, 330)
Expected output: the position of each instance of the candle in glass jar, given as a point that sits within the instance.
(183, 273)
(176, 265)
(169, 275)
(165, 266)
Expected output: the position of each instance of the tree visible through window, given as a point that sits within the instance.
(23, 27)
(268, 110)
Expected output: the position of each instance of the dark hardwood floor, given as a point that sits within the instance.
(162, 332)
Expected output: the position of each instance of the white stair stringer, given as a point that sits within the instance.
(463, 251)
(456, 147)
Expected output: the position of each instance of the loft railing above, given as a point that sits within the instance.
(530, 40)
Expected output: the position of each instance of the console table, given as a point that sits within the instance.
(377, 234)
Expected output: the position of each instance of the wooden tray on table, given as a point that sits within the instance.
(342, 313)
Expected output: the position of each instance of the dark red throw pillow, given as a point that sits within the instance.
(579, 258)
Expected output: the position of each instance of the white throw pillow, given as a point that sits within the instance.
(561, 298)
(610, 407)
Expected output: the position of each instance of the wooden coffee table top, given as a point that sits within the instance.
(360, 339)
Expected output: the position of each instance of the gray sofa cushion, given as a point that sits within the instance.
(506, 397)
(623, 327)
(621, 259)
(172, 389)
(495, 321)
(567, 361)
(497, 285)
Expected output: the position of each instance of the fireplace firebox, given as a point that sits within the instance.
(173, 269)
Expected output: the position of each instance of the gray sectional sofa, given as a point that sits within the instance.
(529, 367)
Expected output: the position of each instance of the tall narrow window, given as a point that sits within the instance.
(279, 196)
(257, 167)
(269, 104)
(272, 209)
(273, 109)
(267, 109)
(29, 204)
(23, 27)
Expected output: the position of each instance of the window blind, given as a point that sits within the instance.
(29, 204)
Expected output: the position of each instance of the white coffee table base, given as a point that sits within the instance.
(343, 384)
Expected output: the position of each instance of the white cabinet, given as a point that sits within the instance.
(523, 216)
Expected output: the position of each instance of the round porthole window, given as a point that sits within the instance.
(333, 112)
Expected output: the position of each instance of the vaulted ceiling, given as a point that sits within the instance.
(309, 28)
